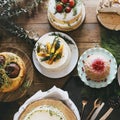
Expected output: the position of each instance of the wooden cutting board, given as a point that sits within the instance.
(109, 20)
(21, 91)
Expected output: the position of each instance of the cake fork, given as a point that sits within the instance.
(97, 103)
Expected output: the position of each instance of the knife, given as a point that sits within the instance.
(110, 10)
(119, 74)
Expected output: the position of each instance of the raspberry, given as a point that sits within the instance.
(59, 7)
(64, 1)
(71, 3)
(67, 9)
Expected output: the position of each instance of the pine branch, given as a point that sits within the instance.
(13, 8)
(16, 30)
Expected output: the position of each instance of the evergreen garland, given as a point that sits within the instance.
(14, 8)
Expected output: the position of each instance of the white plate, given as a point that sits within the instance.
(65, 71)
(113, 67)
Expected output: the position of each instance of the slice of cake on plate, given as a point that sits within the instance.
(108, 14)
(66, 15)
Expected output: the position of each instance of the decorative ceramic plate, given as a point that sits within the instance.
(113, 67)
(21, 91)
(71, 65)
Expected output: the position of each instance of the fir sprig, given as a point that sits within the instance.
(16, 30)
(13, 8)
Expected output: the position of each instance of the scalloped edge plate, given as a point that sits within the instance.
(113, 66)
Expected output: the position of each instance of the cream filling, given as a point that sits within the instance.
(62, 62)
(45, 112)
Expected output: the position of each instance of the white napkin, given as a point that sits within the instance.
(55, 93)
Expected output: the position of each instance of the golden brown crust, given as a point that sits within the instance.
(69, 115)
(12, 83)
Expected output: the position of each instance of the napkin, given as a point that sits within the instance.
(55, 93)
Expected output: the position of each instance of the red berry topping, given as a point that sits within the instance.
(59, 7)
(98, 65)
(71, 3)
(64, 1)
(67, 9)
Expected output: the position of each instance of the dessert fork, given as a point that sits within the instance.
(97, 103)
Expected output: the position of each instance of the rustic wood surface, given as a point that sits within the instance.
(21, 91)
(86, 36)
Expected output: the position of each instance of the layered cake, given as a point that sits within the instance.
(97, 68)
(12, 71)
(47, 109)
(65, 15)
(53, 53)
(108, 13)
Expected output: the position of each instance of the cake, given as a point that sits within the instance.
(47, 109)
(12, 71)
(53, 53)
(97, 68)
(108, 13)
(65, 15)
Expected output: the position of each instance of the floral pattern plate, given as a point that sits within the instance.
(113, 67)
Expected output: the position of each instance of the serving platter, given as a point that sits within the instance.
(21, 91)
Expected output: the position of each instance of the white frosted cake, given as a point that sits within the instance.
(53, 53)
(65, 15)
(97, 67)
(47, 109)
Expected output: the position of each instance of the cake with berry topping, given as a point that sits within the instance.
(65, 15)
(52, 52)
(97, 68)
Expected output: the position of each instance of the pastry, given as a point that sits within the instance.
(108, 14)
(12, 71)
(97, 68)
(47, 109)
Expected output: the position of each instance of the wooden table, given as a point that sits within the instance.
(86, 36)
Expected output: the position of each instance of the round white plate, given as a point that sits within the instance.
(113, 67)
(65, 71)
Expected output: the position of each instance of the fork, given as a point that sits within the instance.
(97, 103)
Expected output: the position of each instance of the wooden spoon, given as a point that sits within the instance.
(97, 103)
